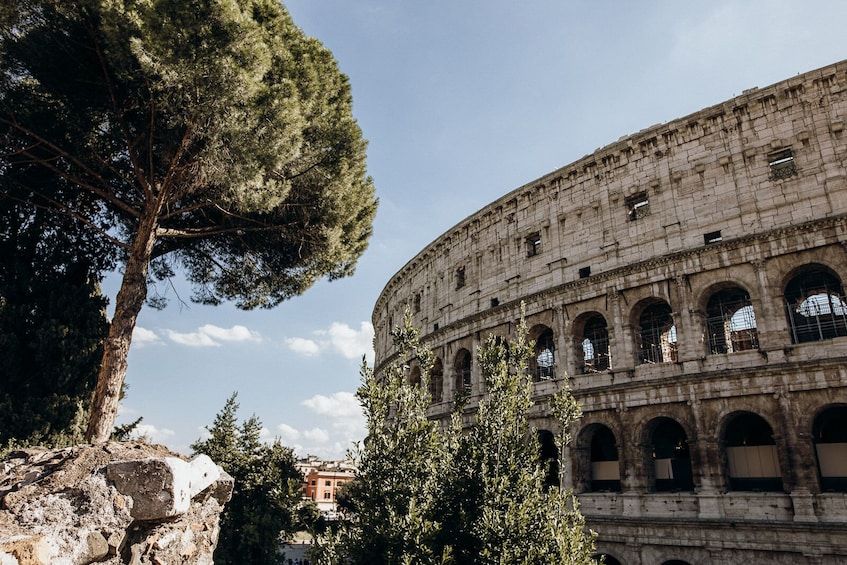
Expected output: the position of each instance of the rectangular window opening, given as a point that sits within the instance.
(533, 245)
(585, 272)
(460, 277)
(495, 302)
(712, 237)
(638, 206)
(435, 327)
(782, 164)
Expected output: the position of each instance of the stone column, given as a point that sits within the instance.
(633, 480)
(634, 549)
(769, 313)
(566, 463)
(565, 360)
(709, 465)
(800, 480)
(621, 348)
(447, 376)
(477, 382)
(686, 330)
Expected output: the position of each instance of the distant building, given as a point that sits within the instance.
(323, 479)
(689, 281)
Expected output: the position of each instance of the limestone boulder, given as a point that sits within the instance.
(118, 503)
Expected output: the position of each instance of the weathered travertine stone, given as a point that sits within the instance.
(162, 487)
(747, 198)
(63, 507)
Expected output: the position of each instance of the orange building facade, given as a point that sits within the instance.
(323, 480)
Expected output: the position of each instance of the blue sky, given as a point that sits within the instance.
(461, 101)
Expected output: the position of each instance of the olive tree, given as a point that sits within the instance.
(471, 491)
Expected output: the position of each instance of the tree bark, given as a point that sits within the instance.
(128, 303)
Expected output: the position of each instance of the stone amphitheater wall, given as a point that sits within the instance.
(702, 174)
(743, 198)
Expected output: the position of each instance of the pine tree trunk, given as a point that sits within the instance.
(128, 303)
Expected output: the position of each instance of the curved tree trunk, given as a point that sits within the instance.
(128, 303)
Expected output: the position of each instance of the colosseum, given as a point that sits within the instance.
(688, 281)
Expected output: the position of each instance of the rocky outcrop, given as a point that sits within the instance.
(118, 503)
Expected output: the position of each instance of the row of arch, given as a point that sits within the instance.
(750, 458)
(813, 300)
(814, 303)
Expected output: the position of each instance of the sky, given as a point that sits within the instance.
(461, 101)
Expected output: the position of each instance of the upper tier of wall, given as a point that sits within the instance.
(720, 174)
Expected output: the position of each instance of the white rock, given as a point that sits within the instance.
(203, 473)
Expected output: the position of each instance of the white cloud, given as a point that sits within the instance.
(329, 452)
(212, 336)
(152, 433)
(344, 424)
(339, 405)
(235, 333)
(350, 343)
(195, 339)
(303, 346)
(316, 435)
(341, 338)
(287, 434)
(341, 425)
(142, 337)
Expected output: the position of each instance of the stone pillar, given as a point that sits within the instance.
(633, 479)
(565, 359)
(634, 549)
(801, 480)
(448, 379)
(477, 382)
(566, 467)
(686, 331)
(708, 466)
(804, 506)
(621, 348)
(800, 460)
(769, 314)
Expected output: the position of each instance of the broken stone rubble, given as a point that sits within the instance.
(119, 503)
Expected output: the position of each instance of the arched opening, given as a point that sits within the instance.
(731, 322)
(671, 457)
(548, 457)
(830, 437)
(595, 345)
(816, 306)
(436, 381)
(605, 467)
(462, 370)
(657, 335)
(542, 364)
(751, 454)
(415, 376)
